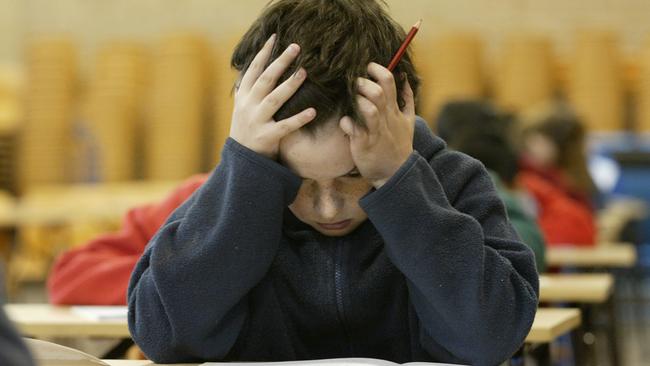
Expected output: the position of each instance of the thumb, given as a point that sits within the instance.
(347, 126)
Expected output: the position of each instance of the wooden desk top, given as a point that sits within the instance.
(576, 287)
(551, 323)
(619, 255)
(59, 204)
(43, 320)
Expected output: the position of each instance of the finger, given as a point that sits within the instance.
(269, 78)
(372, 91)
(274, 101)
(385, 79)
(409, 99)
(347, 125)
(369, 112)
(288, 125)
(256, 67)
(353, 130)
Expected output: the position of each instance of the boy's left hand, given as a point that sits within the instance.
(380, 149)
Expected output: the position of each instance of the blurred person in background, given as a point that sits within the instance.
(478, 130)
(98, 272)
(554, 170)
(13, 351)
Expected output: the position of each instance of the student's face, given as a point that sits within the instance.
(541, 150)
(328, 199)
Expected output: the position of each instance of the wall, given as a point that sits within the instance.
(95, 21)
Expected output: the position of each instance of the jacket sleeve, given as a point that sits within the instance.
(562, 219)
(98, 272)
(187, 295)
(529, 232)
(525, 225)
(472, 282)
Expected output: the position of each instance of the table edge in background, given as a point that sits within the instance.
(619, 255)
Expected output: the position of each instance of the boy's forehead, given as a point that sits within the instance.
(323, 155)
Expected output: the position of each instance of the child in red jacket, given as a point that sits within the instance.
(554, 170)
(98, 273)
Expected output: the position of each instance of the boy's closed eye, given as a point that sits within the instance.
(354, 173)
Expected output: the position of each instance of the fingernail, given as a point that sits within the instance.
(300, 73)
(272, 38)
(294, 48)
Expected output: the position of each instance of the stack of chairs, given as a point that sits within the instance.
(223, 94)
(452, 69)
(11, 111)
(525, 75)
(643, 91)
(108, 131)
(178, 107)
(596, 87)
(45, 133)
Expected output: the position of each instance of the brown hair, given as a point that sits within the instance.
(338, 39)
(564, 129)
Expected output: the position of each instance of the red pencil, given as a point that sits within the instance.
(405, 44)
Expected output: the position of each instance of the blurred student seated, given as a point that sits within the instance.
(98, 272)
(554, 170)
(477, 130)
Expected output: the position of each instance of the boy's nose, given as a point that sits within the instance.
(327, 205)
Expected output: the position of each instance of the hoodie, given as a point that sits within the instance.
(436, 273)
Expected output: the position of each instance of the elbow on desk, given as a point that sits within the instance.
(187, 340)
(496, 335)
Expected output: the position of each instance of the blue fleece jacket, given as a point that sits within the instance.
(437, 273)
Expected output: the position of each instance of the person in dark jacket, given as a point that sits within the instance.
(336, 224)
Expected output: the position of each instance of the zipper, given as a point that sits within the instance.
(339, 281)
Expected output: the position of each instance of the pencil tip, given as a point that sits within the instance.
(417, 25)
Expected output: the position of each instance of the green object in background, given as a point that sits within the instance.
(525, 225)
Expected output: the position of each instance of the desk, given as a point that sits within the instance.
(619, 255)
(44, 320)
(59, 204)
(595, 288)
(551, 323)
(619, 212)
(51, 218)
(585, 289)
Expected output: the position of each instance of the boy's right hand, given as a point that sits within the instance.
(257, 99)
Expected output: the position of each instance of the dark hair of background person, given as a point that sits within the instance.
(567, 133)
(493, 150)
(338, 39)
(457, 118)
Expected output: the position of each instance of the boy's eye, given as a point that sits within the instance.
(354, 174)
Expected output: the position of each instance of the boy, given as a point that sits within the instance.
(335, 225)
